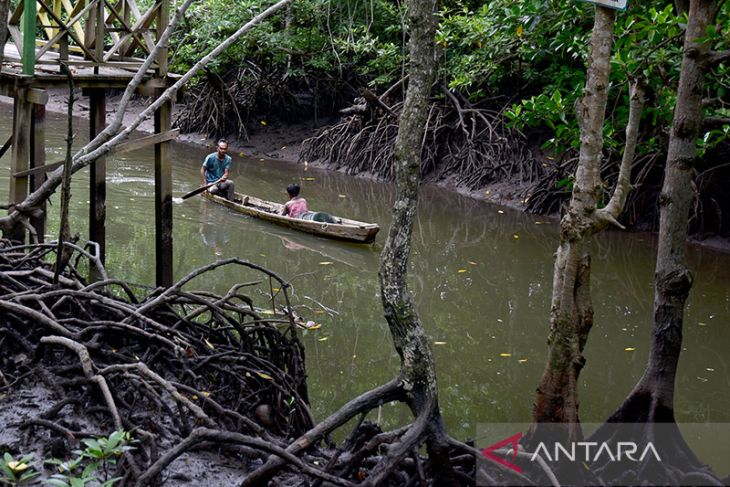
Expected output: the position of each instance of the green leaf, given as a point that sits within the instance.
(55, 482)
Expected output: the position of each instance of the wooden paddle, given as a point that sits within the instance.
(198, 191)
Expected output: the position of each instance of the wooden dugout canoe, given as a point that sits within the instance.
(348, 230)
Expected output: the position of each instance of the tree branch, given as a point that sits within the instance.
(715, 122)
(716, 57)
(611, 212)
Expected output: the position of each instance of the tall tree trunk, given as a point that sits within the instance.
(651, 400)
(418, 372)
(571, 313)
(652, 397)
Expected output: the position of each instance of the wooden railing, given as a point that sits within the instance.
(71, 32)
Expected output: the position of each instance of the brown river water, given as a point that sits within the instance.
(480, 276)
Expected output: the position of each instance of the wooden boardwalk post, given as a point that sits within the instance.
(163, 170)
(20, 154)
(97, 176)
(38, 159)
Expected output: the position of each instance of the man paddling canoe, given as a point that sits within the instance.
(215, 170)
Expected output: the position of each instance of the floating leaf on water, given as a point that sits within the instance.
(263, 122)
(323, 339)
(471, 262)
(264, 376)
(630, 349)
(499, 320)
(311, 325)
(702, 379)
(516, 236)
(439, 343)
(522, 360)
(342, 196)
(309, 179)
(702, 323)
(709, 369)
(505, 354)
(461, 271)
(326, 262)
(210, 345)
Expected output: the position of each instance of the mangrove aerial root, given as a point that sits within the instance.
(470, 145)
(161, 363)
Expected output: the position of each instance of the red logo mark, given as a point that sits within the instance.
(514, 440)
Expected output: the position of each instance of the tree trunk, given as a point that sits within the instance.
(651, 400)
(418, 373)
(652, 397)
(571, 314)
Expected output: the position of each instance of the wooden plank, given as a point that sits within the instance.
(17, 13)
(143, 21)
(17, 38)
(38, 170)
(99, 37)
(6, 145)
(72, 11)
(73, 22)
(119, 149)
(70, 32)
(143, 142)
(163, 20)
(36, 96)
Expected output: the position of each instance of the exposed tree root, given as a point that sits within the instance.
(470, 145)
(644, 418)
(159, 363)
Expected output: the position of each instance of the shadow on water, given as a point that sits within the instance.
(480, 276)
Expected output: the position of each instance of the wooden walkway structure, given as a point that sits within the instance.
(103, 43)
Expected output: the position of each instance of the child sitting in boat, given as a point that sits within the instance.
(297, 207)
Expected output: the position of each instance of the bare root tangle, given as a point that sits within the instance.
(160, 364)
(224, 104)
(471, 146)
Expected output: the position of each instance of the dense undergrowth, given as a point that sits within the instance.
(508, 70)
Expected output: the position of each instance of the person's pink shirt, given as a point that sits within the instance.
(297, 207)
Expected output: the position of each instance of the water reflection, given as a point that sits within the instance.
(214, 229)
